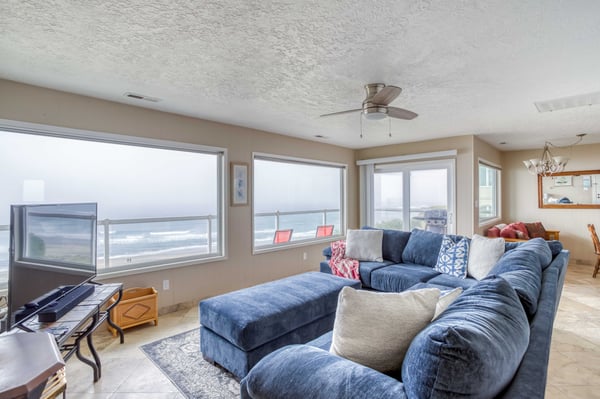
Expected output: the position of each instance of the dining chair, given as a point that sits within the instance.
(596, 242)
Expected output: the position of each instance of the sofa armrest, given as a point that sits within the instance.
(303, 371)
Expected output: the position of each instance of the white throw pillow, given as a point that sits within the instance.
(446, 298)
(483, 255)
(375, 329)
(365, 245)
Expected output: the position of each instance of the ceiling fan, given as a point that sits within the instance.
(376, 104)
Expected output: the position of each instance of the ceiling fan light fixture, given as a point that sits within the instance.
(375, 113)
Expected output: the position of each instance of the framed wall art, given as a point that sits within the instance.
(239, 184)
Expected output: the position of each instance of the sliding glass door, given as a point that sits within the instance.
(412, 195)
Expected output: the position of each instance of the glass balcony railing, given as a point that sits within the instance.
(130, 243)
(303, 222)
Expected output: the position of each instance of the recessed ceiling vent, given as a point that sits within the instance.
(137, 96)
(580, 100)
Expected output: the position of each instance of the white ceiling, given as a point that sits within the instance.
(466, 67)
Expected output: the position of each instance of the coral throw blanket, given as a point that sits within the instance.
(340, 265)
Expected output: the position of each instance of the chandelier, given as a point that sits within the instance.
(548, 164)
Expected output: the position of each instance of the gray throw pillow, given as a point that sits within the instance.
(364, 245)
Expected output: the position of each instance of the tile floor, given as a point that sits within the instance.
(574, 370)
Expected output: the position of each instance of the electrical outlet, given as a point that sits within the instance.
(166, 285)
(305, 256)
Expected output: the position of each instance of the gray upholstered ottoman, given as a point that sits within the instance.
(241, 327)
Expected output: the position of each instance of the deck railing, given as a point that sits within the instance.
(104, 229)
(105, 240)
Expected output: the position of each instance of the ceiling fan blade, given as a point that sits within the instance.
(401, 113)
(342, 112)
(386, 95)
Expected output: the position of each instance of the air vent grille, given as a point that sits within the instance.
(137, 96)
(580, 100)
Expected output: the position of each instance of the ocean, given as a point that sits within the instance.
(136, 243)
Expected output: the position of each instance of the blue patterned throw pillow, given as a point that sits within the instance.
(453, 257)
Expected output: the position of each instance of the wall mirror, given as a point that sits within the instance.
(576, 189)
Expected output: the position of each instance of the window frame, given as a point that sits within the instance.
(310, 241)
(120, 139)
(406, 164)
(498, 193)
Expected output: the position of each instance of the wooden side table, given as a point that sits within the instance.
(79, 324)
(552, 235)
(28, 360)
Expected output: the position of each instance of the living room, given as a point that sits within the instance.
(32, 101)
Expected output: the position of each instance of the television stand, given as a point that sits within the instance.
(80, 322)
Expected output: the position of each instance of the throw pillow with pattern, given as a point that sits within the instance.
(453, 257)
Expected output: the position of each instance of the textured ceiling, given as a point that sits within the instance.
(465, 66)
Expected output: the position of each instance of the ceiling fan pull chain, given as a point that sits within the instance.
(361, 124)
(390, 126)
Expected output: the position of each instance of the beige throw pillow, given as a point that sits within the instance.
(375, 329)
(484, 253)
(445, 299)
(365, 245)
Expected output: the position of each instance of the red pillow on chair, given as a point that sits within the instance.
(521, 230)
(493, 232)
(508, 232)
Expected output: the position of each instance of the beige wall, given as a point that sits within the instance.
(520, 199)
(32, 104)
(464, 170)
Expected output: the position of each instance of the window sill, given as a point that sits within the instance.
(154, 268)
(296, 244)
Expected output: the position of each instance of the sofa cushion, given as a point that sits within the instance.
(521, 268)
(540, 247)
(472, 356)
(393, 244)
(397, 278)
(366, 269)
(375, 328)
(483, 255)
(555, 247)
(453, 257)
(364, 245)
(304, 371)
(448, 281)
(423, 247)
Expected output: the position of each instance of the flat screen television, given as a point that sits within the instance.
(52, 253)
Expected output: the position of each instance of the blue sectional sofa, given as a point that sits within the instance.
(491, 342)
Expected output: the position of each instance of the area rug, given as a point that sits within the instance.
(179, 358)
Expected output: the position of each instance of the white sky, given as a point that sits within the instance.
(125, 181)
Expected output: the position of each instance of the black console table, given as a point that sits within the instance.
(79, 324)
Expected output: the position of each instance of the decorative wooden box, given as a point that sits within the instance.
(137, 306)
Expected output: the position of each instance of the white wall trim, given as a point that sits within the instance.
(410, 157)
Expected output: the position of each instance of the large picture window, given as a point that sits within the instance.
(489, 192)
(296, 201)
(159, 203)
